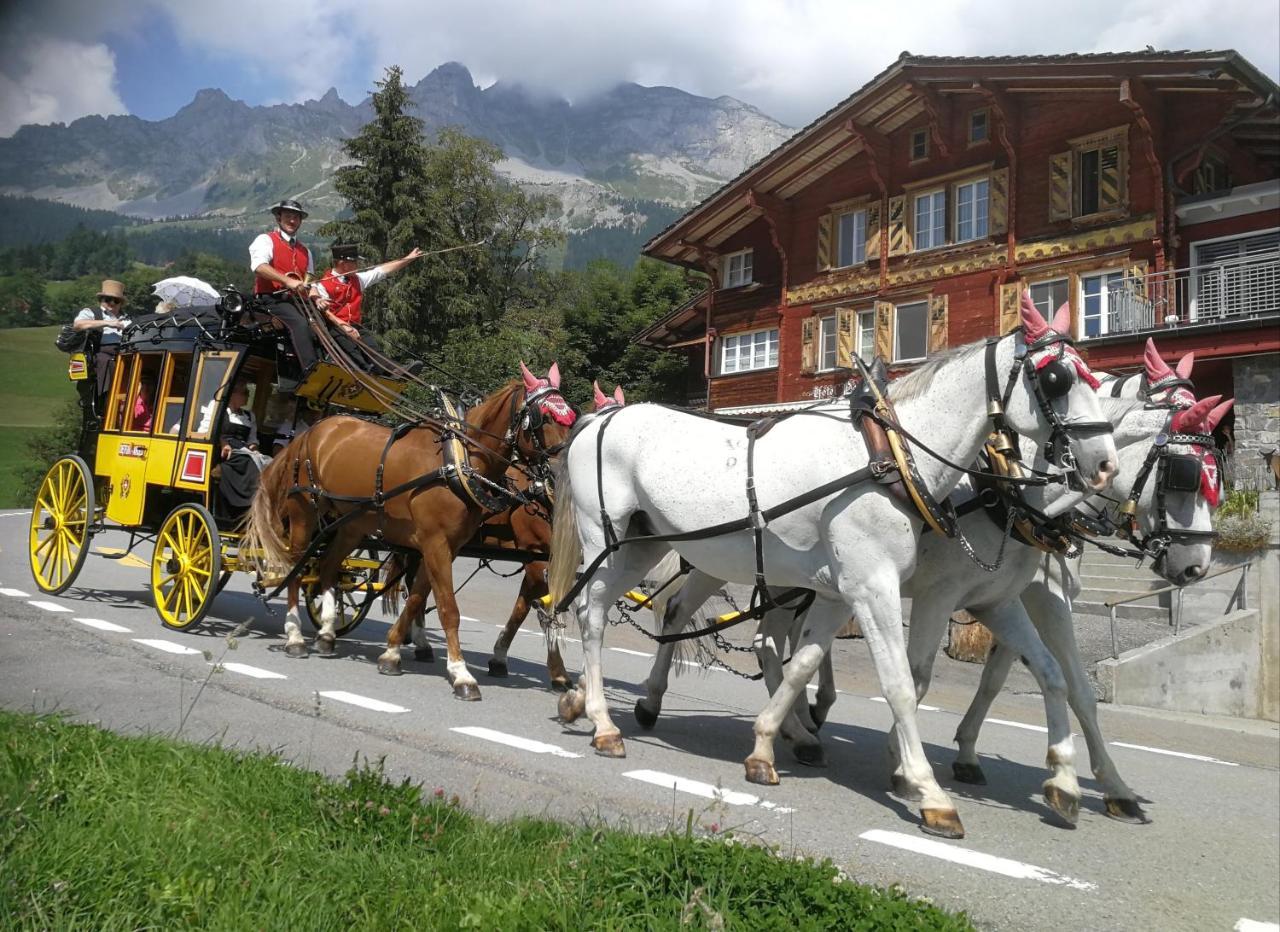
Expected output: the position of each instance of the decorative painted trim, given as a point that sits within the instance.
(1136, 231)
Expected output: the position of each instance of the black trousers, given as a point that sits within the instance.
(355, 348)
(299, 331)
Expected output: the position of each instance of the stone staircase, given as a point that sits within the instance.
(1104, 577)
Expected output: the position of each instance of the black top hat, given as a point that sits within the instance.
(288, 204)
(346, 252)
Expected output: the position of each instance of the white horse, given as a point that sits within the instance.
(667, 473)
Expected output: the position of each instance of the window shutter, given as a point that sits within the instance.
(937, 323)
(824, 242)
(1111, 182)
(846, 319)
(1007, 310)
(1060, 186)
(873, 232)
(1136, 276)
(998, 208)
(809, 346)
(899, 238)
(884, 330)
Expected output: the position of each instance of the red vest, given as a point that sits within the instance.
(286, 257)
(346, 296)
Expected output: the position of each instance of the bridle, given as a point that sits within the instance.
(530, 419)
(1174, 472)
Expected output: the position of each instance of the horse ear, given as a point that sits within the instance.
(553, 375)
(601, 399)
(1184, 365)
(531, 381)
(1062, 319)
(1156, 367)
(1033, 323)
(1213, 417)
(618, 396)
(1190, 419)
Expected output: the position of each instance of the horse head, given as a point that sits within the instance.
(542, 424)
(1053, 399)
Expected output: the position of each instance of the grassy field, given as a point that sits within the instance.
(105, 832)
(33, 385)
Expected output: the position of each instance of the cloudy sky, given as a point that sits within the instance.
(63, 59)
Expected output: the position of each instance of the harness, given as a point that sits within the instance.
(1175, 472)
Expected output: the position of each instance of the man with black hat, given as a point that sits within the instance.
(340, 295)
(280, 265)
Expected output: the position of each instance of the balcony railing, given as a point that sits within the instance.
(1234, 289)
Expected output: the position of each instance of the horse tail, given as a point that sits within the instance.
(264, 540)
(661, 574)
(391, 593)
(566, 549)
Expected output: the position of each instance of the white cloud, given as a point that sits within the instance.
(50, 80)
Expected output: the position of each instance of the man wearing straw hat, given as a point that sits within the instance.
(281, 265)
(107, 321)
(340, 294)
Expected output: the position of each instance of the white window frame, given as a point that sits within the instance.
(745, 272)
(1048, 313)
(986, 126)
(940, 227)
(859, 252)
(827, 334)
(1104, 317)
(922, 133)
(736, 340)
(897, 318)
(1195, 283)
(986, 211)
(865, 348)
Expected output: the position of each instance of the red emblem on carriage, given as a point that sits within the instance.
(193, 466)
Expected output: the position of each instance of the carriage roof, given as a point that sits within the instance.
(187, 329)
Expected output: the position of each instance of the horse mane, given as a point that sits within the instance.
(496, 404)
(916, 383)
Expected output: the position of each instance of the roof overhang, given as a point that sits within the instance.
(1262, 197)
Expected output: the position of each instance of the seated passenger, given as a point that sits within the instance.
(242, 462)
(340, 295)
(142, 407)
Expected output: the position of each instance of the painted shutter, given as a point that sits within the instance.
(846, 320)
(824, 242)
(873, 232)
(1060, 186)
(899, 238)
(809, 346)
(937, 323)
(1136, 278)
(884, 330)
(998, 208)
(1007, 309)
(1111, 181)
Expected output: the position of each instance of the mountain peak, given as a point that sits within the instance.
(451, 72)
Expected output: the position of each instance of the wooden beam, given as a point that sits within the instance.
(1146, 114)
(776, 212)
(876, 145)
(939, 112)
(1008, 128)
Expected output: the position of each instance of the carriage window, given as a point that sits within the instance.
(173, 398)
(140, 410)
(210, 394)
(120, 382)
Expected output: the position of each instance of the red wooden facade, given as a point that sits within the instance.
(908, 218)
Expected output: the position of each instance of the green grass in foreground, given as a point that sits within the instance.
(99, 831)
(13, 457)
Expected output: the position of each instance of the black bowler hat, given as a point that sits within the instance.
(288, 204)
(346, 252)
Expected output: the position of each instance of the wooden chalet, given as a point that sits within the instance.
(1142, 188)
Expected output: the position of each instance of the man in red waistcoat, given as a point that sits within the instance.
(340, 294)
(281, 265)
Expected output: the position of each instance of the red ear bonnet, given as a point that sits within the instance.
(600, 398)
(1034, 326)
(553, 375)
(1184, 365)
(531, 382)
(1190, 420)
(1157, 368)
(618, 396)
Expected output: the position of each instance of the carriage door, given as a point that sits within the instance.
(211, 386)
(124, 455)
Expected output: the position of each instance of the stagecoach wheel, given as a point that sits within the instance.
(185, 566)
(60, 522)
(360, 574)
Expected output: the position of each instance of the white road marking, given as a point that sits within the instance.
(1023, 725)
(633, 653)
(987, 862)
(256, 672)
(14, 593)
(705, 790)
(1200, 757)
(167, 646)
(377, 705)
(513, 741)
(104, 625)
(14, 514)
(1252, 925)
(50, 606)
(922, 707)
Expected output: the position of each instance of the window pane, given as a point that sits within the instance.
(1091, 288)
(978, 126)
(208, 394)
(912, 330)
(867, 335)
(980, 198)
(747, 260)
(828, 328)
(1049, 296)
(1089, 182)
(964, 213)
(773, 347)
(853, 237)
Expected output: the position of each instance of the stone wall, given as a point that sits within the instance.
(1257, 412)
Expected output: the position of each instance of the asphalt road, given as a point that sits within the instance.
(1209, 859)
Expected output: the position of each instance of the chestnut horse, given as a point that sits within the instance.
(332, 470)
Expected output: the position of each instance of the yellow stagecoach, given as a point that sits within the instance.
(150, 458)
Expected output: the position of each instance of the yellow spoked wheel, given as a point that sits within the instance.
(60, 522)
(185, 566)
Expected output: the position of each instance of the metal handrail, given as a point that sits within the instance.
(1239, 599)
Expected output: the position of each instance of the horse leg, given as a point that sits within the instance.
(437, 569)
(414, 603)
(326, 582)
(678, 612)
(966, 768)
(300, 521)
(294, 643)
(781, 627)
(930, 613)
(519, 612)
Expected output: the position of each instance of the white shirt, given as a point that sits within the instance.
(107, 334)
(240, 418)
(262, 249)
(371, 277)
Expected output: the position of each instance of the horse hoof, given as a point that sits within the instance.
(571, 705)
(968, 773)
(901, 788)
(497, 668)
(296, 650)
(945, 823)
(609, 745)
(389, 667)
(811, 755)
(761, 772)
(645, 717)
(467, 692)
(561, 684)
(424, 654)
(1064, 805)
(819, 716)
(1126, 810)
(326, 647)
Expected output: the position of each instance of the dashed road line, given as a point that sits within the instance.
(49, 606)
(1252, 925)
(633, 653)
(15, 593)
(104, 625)
(922, 707)
(705, 790)
(167, 646)
(14, 514)
(1199, 757)
(376, 705)
(513, 741)
(257, 673)
(1023, 725)
(969, 858)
